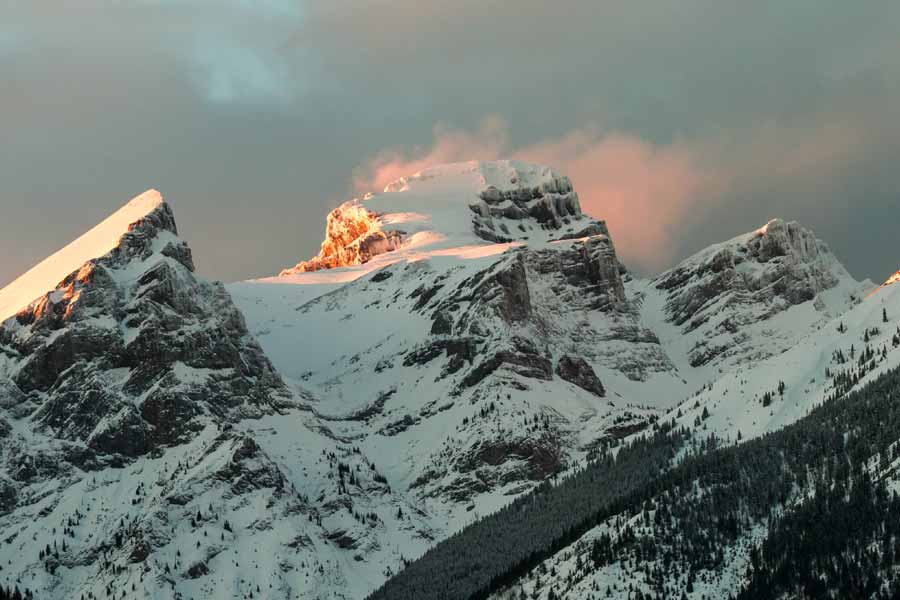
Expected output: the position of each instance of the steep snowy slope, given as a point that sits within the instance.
(840, 355)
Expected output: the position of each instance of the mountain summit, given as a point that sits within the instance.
(752, 296)
(453, 206)
(130, 346)
(95, 243)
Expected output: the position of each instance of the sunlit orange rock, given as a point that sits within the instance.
(353, 235)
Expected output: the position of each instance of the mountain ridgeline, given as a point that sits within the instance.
(464, 394)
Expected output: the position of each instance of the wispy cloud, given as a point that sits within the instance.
(643, 190)
(234, 51)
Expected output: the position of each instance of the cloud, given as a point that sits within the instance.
(641, 189)
(233, 73)
(233, 51)
(450, 145)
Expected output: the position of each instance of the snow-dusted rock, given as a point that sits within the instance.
(779, 282)
(576, 370)
(129, 349)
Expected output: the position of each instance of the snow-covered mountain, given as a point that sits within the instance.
(460, 338)
(488, 345)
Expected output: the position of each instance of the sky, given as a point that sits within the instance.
(681, 122)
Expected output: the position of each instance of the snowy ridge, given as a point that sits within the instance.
(95, 243)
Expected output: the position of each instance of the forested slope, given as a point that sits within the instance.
(809, 509)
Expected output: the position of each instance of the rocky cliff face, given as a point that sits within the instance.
(134, 351)
(552, 203)
(721, 296)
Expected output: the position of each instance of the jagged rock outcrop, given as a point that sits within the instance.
(507, 291)
(590, 269)
(551, 203)
(127, 353)
(723, 291)
(575, 370)
(781, 264)
(353, 235)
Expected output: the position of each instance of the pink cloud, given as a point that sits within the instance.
(642, 190)
(449, 146)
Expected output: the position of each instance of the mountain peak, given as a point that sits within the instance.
(726, 290)
(775, 222)
(145, 202)
(777, 239)
(97, 242)
(454, 206)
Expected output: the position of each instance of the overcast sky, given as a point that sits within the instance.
(681, 122)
